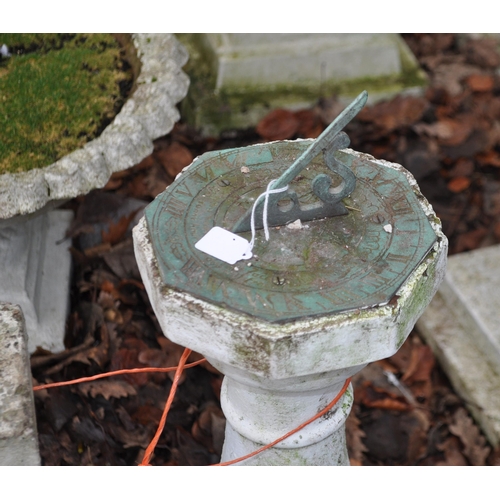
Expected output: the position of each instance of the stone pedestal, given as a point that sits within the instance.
(260, 410)
(311, 306)
(279, 375)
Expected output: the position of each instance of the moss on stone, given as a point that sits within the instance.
(243, 106)
(57, 92)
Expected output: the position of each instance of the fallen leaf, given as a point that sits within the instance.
(148, 162)
(419, 156)
(448, 77)
(107, 389)
(422, 361)
(449, 132)
(155, 181)
(310, 125)
(190, 452)
(480, 83)
(452, 453)
(455, 131)
(481, 139)
(483, 52)
(354, 438)
(95, 208)
(60, 408)
(425, 44)
(156, 359)
(394, 438)
(475, 448)
(470, 240)
(139, 187)
(209, 428)
(459, 184)
(116, 231)
(147, 415)
(173, 353)
(494, 458)
(376, 397)
(463, 167)
(277, 125)
(121, 259)
(98, 353)
(491, 201)
(113, 183)
(140, 437)
(174, 158)
(126, 358)
(87, 430)
(489, 159)
(398, 112)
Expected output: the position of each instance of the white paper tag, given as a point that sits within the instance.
(224, 245)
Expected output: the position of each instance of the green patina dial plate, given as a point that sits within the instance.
(331, 265)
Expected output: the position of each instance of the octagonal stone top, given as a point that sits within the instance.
(350, 262)
(278, 351)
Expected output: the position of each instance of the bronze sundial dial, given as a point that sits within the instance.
(363, 229)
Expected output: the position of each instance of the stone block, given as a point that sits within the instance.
(18, 435)
(237, 78)
(462, 326)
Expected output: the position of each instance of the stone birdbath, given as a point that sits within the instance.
(34, 257)
(339, 283)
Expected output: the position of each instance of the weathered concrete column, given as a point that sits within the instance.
(310, 309)
(260, 410)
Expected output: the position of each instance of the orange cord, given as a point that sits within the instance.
(178, 372)
(288, 434)
(111, 374)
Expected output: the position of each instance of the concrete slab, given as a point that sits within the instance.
(237, 78)
(18, 435)
(462, 326)
(35, 267)
(269, 59)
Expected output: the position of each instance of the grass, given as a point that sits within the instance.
(57, 92)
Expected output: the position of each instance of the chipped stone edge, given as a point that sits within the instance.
(148, 114)
(383, 329)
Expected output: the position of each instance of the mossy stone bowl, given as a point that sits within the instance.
(149, 112)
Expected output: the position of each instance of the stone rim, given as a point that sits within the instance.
(238, 337)
(360, 270)
(148, 113)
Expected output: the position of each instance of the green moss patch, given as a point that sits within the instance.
(57, 92)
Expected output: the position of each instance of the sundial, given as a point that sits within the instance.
(362, 229)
